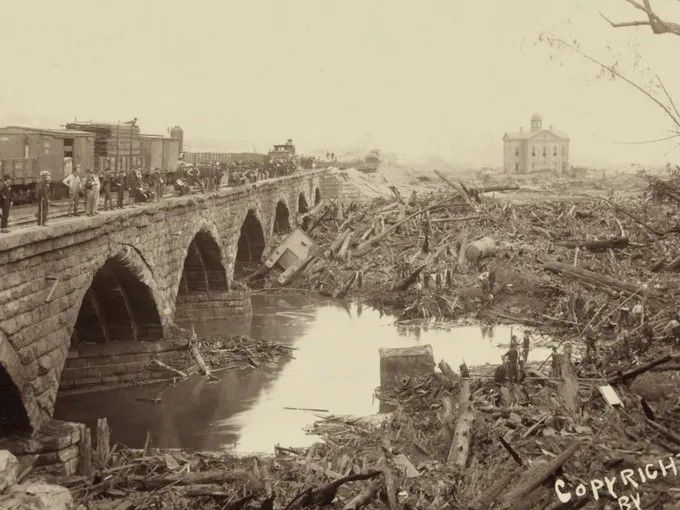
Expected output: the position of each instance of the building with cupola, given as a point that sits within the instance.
(537, 149)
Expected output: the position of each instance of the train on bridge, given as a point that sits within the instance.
(26, 151)
(121, 147)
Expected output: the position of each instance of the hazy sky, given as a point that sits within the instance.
(420, 78)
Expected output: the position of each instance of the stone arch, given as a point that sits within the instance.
(18, 408)
(250, 245)
(204, 267)
(317, 195)
(303, 206)
(121, 303)
(282, 218)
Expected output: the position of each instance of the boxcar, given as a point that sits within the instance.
(25, 152)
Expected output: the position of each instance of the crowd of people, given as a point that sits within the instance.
(89, 189)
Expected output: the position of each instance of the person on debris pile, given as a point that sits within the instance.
(5, 202)
(673, 328)
(638, 313)
(42, 193)
(648, 334)
(624, 319)
(591, 347)
(484, 284)
(526, 342)
(511, 359)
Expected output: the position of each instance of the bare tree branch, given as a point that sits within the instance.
(625, 23)
(670, 99)
(658, 25)
(611, 69)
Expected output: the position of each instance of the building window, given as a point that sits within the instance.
(554, 150)
(516, 151)
(533, 151)
(516, 167)
(544, 151)
(564, 151)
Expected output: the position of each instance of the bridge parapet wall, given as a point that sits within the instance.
(46, 272)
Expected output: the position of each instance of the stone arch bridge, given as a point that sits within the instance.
(115, 280)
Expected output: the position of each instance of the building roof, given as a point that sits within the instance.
(525, 135)
(536, 116)
(64, 133)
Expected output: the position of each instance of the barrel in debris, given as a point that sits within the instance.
(484, 247)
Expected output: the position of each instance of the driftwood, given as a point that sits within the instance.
(169, 368)
(536, 475)
(460, 444)
(483, 501)
(218, 476)
(604, 244)
(366, 246)
(342, 292)
(103, 444)
(337, 242)
(342, 252)
(669, 434)
(363, 497)
(448, 372)
(594, 278)
(193, 347)
(85, 451)
(489, 189)
(639, 370)
(564, 370)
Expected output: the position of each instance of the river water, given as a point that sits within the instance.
(335, 369)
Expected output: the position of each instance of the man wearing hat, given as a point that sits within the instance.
(42, 194)
(511, 359)
(5, 202)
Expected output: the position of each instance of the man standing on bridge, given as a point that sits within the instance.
(73, 182)
(42, 193)
(5, 202)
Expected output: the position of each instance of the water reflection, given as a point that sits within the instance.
(336, 367)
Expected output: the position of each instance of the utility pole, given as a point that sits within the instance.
(117, 141)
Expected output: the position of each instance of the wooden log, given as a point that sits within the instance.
(448, 372)
(669, 434)
(85, 451)
(603, 244)
(564, 369)
(337, 242)
(342, 292)
(197, 478)
(536, 475)
(460, 444)
(342, 252)
(103, 441)
(484, 500)
(367, 245)
(196, 353)
(464, 194)
(409, 279)
(461, 253)
(579, 273)
(489, 189)
(639, 370)
(363, 497)
(169, 368)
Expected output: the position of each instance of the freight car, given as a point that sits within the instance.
(25, 152)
